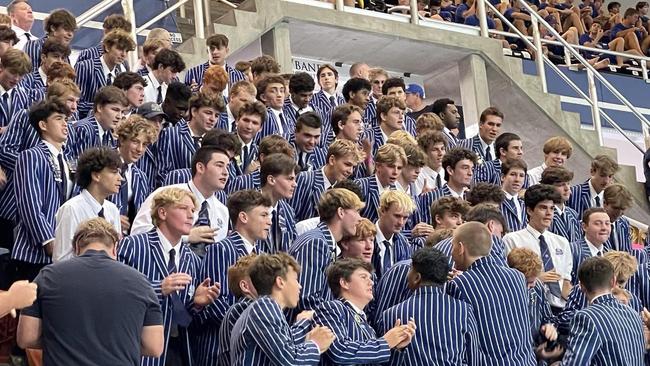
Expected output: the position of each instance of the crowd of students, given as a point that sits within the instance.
(243, 218)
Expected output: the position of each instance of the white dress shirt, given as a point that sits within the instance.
(22, 37)
(167, 246)
(306, 225)
(428, 177)
(217, 212)
(277, 114)
(72, 213)
(594, 250)
(593, 193)
(55, 153)
(518, 207)
(558, 247)
(535, 174)
(379, 242)
(151, 90)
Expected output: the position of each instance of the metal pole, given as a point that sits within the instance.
(129, 13)
(482, 18)
(644, 70)
(415, 19)
(339, 4)
(172, 8)
(182, 11)
(595, 112)
(89, 14)
(208, 17)
(199, 26)
(539, 55)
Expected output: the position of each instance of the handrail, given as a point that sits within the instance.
(592, 100)
(94, 11)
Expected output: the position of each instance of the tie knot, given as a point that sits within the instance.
(172, 252)
(204, 205)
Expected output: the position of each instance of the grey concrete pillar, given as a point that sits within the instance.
(276, 42)
(474, 91)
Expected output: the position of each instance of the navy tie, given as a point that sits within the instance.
(438, 181)
(109, 79)
(283, 123)
(124, 192)
(488, 154)
(245, 159)
(159, 98)
(597, 199)
(101, 213)
(554, 287)
(180, 316)
(333, 101)
(613, 239)
(387, 262)
(197, 141)
(63, 187)
(277, 231)
(204, 217)
(5, 105)
(106, 138)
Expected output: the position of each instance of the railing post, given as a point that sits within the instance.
(129, 13)
(539, 53)
(595, 110)
(644, 70)
(339, 4)
(208, 16)
(199, 26)
(482, 18)
(415, 19)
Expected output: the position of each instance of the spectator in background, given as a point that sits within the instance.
(263, 66)
(7, 39)
(71, 309)
(590, 193)
(51, 53)
(217, 47)
(111, 23)
(245, 68)
(14, 65)
(356, 91)
(161, 34)
(448, 113)
(150, 49)
(133, 85)
(646, 169)
(59, 25)
(176, 104)
(557, 150)
(22, 20)
(596, 38)
(165, 66)
(359, 70)
(489, 127)
(415, 101)
(565, 220)
(643, 7)
(633, 32)
(301, 91)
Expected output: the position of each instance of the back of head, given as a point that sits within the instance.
(432, 265)
(483, 192)
(475, 237)
(538, 193)
(94, 160)
(95, 231)
(337, 198)
(596, 274)
(525, 261)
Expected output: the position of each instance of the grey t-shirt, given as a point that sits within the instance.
(92, 310)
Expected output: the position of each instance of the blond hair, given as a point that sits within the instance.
(401, 138)
(394, 197)
(342, 148)
(135, 126)
(96, 230)
(625, 265)
(617, 195)
(390, 154)
(168, 197)
(336, 198)
(365, 229)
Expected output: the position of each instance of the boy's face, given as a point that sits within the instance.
(274, 95)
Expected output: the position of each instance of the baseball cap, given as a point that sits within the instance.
(150, 110)
(415, 89)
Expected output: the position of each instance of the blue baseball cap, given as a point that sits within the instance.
(415, 89)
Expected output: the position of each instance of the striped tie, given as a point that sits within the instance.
(554, 287)
(204, 217)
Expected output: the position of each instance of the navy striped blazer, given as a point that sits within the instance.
(139, 186)
(89, 53)
(425, 200)
(392, 288)
(321, 104)
(228, 323)
(148, 165)
(246, 181)
(446, 332)
(314, 250)
(33, 50)
(370, 191)
(474, 144)
(515, 222)
(580, 251)
(90, 78)
(219, 257)
(580, 198)
(409, 125)
(370, 115)
(623, 236)
(20, 99)
(452, 140)
(182, 176)
(309, 187)
(566, 225)
(639, 284)
(87, 135)
(497, 251)
(270, 127)
(144, 253)
(197, 72)
(37, 202)
(489, 172)
(499, 297)
(356, 341)
(287, 223)
(376, 137)
(32, 81)
(540, 311)
(606, 333)
(400, 250)
(175, 149)
(262, 336)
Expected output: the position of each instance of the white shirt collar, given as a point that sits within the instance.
(560, 210)
(593, 249)
(167, 245)
(485, 144)
(380, 236)
(533, 231)
(328, 95)
(248, 245)
(53, 150)
(593, 193)
(197, 193)
(42, 74)
(19, 31)
(326, 182)
(231, 117)
(510, 196)
(106, 70)
(152, 80)
(91, 200)
(3, 90)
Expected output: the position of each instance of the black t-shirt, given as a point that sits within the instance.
(92, 310)
(415, 115)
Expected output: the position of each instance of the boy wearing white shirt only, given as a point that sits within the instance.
(98, 176)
